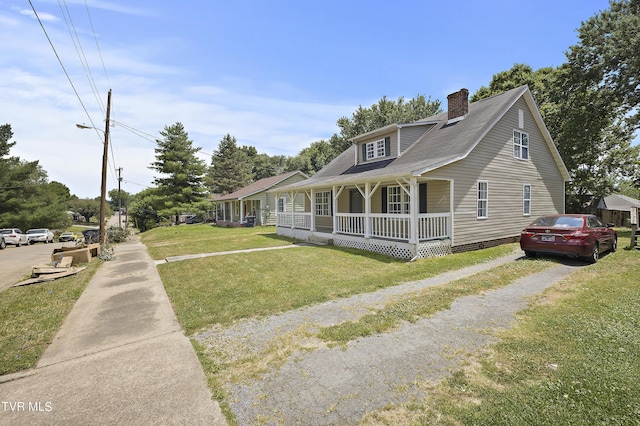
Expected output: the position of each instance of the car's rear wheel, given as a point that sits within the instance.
(595, 254)
(529, 253)
(2, 245)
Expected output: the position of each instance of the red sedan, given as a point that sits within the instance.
(573, 235)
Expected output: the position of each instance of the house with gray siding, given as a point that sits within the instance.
(258, 200)
(471, 177)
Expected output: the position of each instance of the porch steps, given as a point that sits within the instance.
(320, 241)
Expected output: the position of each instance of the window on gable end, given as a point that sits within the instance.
(520, 145)
(483, 199)
(526, 200)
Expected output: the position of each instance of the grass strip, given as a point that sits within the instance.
(30, 316)
(428, 302)
(212, 372)
(572, 358)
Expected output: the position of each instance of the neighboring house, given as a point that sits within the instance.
(468, 178)
(616, 209)
(257, 200)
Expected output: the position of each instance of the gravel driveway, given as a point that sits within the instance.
(320, 385)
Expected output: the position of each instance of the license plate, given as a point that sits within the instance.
(548, 238)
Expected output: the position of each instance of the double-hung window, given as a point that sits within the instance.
(397, 200)
(483, 199)
(375, 149)
(323, 203)
(520, 145)
(282, 204)
(526, 200)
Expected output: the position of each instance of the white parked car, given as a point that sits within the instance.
(40, 235)
(14, 236)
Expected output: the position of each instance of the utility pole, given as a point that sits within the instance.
(119, 200)
(103, 188)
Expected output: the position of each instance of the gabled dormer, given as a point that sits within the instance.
(389, 142)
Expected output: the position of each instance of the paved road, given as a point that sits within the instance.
(16, 262)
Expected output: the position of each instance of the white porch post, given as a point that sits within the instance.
(293, 196)
(312, 202)
(367, 210)
(241, 209)
(413, 207)
(276, 204)
(334, 209)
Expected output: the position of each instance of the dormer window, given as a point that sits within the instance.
(375, 149)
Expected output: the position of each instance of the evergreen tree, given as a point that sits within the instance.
(231, 168)
(27, 199)
(181, 183)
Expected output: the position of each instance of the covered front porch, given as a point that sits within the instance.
(404, 218)
(235, 212)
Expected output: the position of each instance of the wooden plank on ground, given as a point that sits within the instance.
(50, 277)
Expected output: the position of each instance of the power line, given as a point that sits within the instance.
(93, 31)
(80, 52)
(61, 64)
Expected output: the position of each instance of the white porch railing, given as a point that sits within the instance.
(299, 220)
(433, 225)
(395, 226)
(383, 225)
(350, 223)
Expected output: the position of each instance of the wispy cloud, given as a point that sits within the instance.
(46, 17)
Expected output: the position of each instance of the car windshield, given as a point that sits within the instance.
(559, 222)
(35, 231)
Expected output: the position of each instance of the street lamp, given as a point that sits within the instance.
(103, 187)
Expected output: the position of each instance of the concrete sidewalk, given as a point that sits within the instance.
(120, 358)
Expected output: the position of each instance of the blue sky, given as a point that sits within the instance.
(274, 74)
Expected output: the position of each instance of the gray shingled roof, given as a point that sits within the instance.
(442, 145)
(257, 186)
(618, 202)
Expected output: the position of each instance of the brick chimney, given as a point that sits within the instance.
(458, 104)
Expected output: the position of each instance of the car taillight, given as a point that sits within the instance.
(577, 236)
(527, 234)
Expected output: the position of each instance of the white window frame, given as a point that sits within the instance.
(526, 199)
(282, 205)
(323, 203)
(375, 149)
(520, 145)
(482, 195)
(397, 200)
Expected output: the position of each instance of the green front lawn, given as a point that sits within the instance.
(222, 289)
(204, 238)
